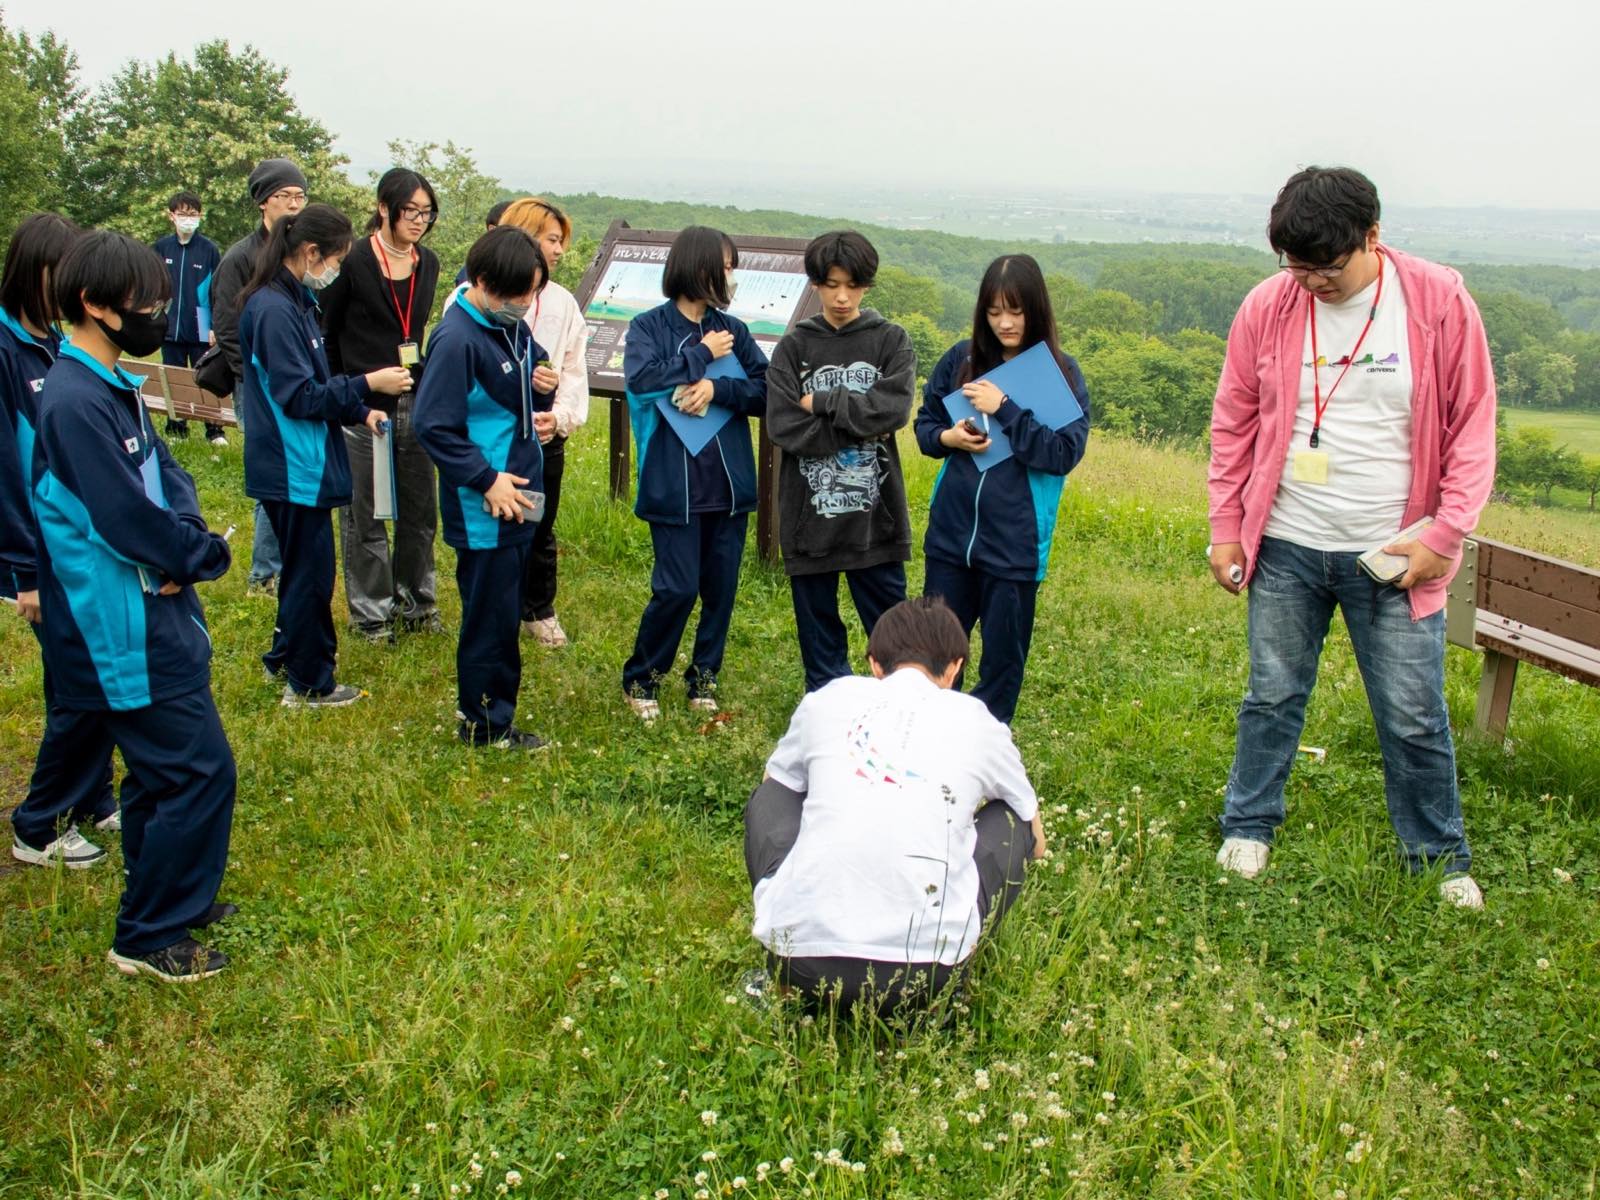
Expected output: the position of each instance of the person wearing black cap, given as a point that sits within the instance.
(278, 189)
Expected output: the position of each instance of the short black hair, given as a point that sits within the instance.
(319, 225)
(496, 211)
(922, 631)
(109, 270)
(506, 262)
(1322, 213)
(846, 249)
(37, 246)
(697, 266)
(185, 199)
(395, 190)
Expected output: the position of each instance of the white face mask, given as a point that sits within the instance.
(317, 282)
(186, 224)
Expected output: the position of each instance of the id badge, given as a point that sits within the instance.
(1311, 466)
(408, 354)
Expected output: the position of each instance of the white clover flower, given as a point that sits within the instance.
(858, 1168)
(1543, 964)
(432, 1127)
(738, 1183)
(1109, 1097)
(708, 1118)
(567, 1023)
(1018, 1120)
(475, 1169)
(786, 1164)
(1560, 875)
(709, 1156)
(662, 1194)
(513, 1178)
(700, 1177)
(980, 1079)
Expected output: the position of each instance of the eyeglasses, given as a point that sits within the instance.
(1332, 271)
(289, 196)
(426, 215)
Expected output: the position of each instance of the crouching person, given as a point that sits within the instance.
(122, 543)
(893, 825)
(475, 418)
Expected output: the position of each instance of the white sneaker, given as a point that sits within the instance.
(703, 704)
(546, 631)
(1462, 891)
(71, 849)
(219, 440)
(645, 708)
(111, 824)
(1243, 856)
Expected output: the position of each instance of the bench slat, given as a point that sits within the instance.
(1540, 610)
(1563, 581)
(1550, 651)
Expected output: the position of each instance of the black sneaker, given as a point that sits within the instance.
(511, 739)
(219, 911)
(186, 961)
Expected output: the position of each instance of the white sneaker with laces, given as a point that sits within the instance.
(646, 708)
(71, 849)
(546, 631)
(1462, 891)
(111, 824)
(1245, 857)
(703, 704)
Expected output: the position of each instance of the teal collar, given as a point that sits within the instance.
(118, 378)
(471, 309)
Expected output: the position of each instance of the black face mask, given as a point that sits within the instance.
(141, 333)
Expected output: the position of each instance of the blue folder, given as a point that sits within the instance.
(696, 432)
(1032, 379)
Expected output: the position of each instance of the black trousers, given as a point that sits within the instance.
(700, 559)
(539, 577)
(177, 817)
(824, 641)
(1005, 609)
(1004, 845)
(304, 645)
(488, 654)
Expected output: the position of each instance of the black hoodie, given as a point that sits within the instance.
(841, 494)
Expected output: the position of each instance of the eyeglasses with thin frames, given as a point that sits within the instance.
(1331, 271)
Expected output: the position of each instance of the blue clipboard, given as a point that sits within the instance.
(696, 432)
(1033, 380)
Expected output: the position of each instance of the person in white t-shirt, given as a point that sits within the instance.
(893, 825)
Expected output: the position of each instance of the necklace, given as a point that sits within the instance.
(394, 251)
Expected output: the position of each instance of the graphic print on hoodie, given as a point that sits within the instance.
(841, 494)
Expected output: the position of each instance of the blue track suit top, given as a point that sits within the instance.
(117, 518)
(664, 351)
(190, 267)
(294, 405)
(24, 362)
(1000, 521)
(474, 417)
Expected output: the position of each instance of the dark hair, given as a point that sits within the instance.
(843, 248)
(1322, 213)
(184, 199)
(506, 261)
(37, 246)
(319, 225)
(496, 211)
(109, 270)
(395, 189)
(922, 631)
(695, 266)
(1016, 281)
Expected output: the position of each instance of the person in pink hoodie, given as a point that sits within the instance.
(1356, 400)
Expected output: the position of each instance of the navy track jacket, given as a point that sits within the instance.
(664, 351)
(474, 417)
(117, 519)
(24, 363)
(294, 405)
(1000, 521)
(191, 268)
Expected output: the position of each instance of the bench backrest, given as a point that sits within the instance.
(173, 391)
(1530, 606)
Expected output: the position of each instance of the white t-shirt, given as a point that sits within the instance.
(894, 770)
(1366, 428)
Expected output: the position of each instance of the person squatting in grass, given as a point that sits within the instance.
(893, 825)
(476, 418)
(841, 387)
(192, 260)
(121, 544)
(987, 560)
(295, 460)
(1357, 397)
(559, 327)
(71, 785)
(376, 315)
(697, 505)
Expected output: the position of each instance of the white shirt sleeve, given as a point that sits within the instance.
(1005, 776)
(572, 392)
(787, 763)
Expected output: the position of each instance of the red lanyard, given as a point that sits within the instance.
(383, 265)
(1350, 359)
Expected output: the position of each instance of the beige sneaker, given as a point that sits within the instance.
(1462, 891)
(546, 632)
(703, 704)
(1243, 856)
(646, 708)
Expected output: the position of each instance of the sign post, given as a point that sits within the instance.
(624, 280)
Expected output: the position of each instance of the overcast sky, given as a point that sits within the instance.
(1468, 103)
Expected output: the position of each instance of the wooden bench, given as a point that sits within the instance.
(1518, 606)
(173, 391)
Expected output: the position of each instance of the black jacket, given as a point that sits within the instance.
(360, 319)
(237, 265)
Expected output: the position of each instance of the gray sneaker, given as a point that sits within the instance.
(343, 694)
(71, 850)
(110, 824)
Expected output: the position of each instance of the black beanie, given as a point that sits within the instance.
(273, 175)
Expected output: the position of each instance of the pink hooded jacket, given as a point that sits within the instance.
(1452, 413)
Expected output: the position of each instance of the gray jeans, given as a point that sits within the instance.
(771, 825)
(381, 586)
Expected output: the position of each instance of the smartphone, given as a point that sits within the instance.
(536, 513)
(971, 426)
(1387, 568)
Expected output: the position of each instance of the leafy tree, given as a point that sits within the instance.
(1530, 458)
(1514, 322)
(1115, 312)
(927, 339)
(1146, 387)
(898, 293)
(1192, 294)
(1587, 477)
(28, 151)
(1539, 377)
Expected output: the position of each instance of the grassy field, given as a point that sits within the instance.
(471, 974)
(1580, 431)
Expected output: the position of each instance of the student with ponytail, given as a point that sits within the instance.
(376, 315)
(295, 460)
(987, 560)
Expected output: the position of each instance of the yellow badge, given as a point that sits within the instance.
(408, 354)
(1311, 466)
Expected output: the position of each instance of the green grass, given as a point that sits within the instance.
(446, 959)
(1579, 431)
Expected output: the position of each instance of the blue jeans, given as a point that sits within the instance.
(266, 561)
(1292, 598)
